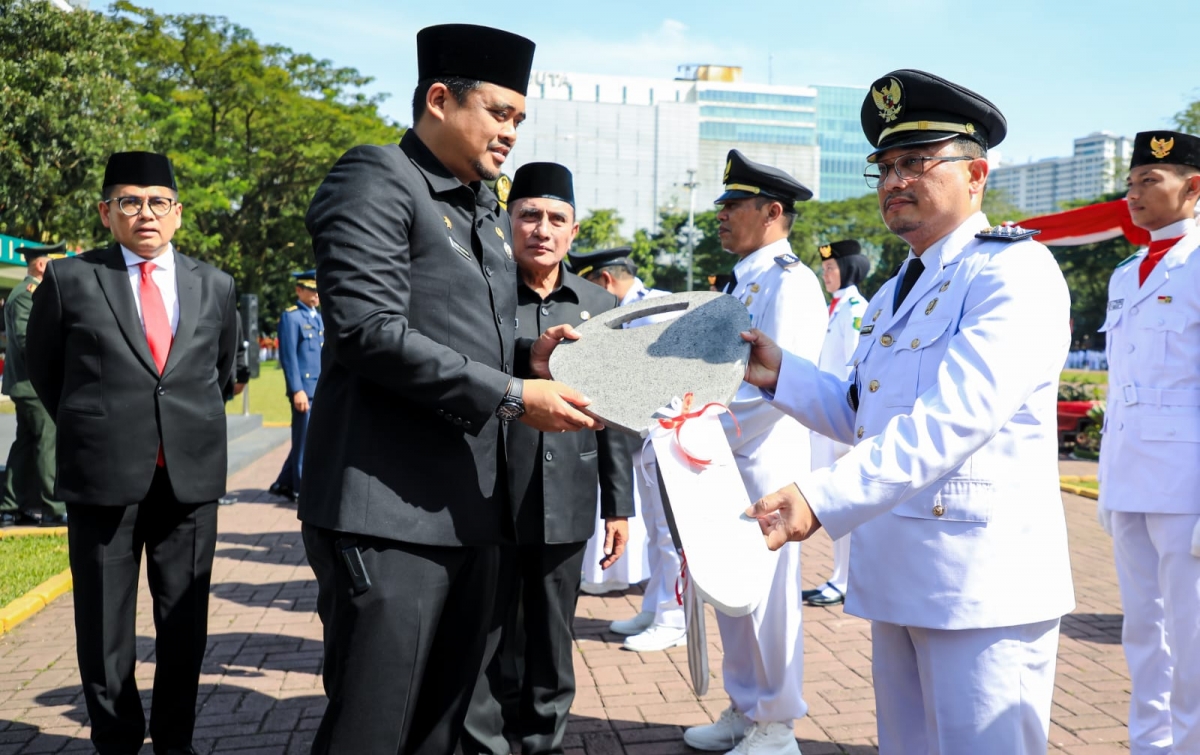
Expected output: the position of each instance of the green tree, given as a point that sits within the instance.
(1188, 119)
(65, 105)
(600, 229)
(252, 129)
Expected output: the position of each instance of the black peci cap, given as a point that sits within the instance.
(139, 169)
(1165, 147)
(582, 264)
(745, 178)
(542, 180)
(908, 107)
(479, 53)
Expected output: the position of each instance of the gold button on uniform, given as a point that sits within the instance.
(860, 432)
(873, 386)
(945, 286)
(916, 342)
(938, 509)
(932, 304)
(886, 340)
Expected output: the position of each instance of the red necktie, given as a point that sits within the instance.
(833, 304)
(158, 327)
(1158, 250)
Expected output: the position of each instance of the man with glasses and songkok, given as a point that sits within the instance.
(131, 349)
(951, 489)
(403, 516)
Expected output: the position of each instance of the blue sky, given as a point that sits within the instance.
(1058, 69)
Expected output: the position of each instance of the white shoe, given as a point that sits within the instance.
(599, 588)
(657, 637)
(768, 738)
(721, 735)
(636, 625)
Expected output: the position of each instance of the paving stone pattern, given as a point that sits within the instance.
(261, 688)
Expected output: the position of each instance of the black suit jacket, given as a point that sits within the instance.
(418, 294)
(553, 476)
(92, 368)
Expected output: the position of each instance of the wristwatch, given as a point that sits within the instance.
(512, 406)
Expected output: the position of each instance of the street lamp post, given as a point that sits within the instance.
(691, 231)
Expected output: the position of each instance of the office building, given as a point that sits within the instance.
(844, 149)
(1097, 167)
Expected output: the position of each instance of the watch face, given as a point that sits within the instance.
(509, 411)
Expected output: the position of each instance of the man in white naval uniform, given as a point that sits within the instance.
(951, 490)
(1150, 457)
(659, 625)
(763, 667)
(843, 267)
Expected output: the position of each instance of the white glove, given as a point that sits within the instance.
(1104, 516)
(1196, 541)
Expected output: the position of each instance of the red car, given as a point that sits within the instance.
(1072, 419)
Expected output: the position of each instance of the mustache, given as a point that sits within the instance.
(910, 196)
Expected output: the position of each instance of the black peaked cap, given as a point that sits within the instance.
(745, 178)
(139, 169)
(840, 249)
(474, 52)
(542, 180)
(1165, 147)
(582, 264)
(908, 107)
(31, 253)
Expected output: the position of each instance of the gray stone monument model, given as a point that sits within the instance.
(629, 373)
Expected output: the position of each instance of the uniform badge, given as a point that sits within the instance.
(446, 218)
(787, 260)
(503, 186)
(458, 248)
(858, 323)
(30, 287)
(1164, 300)
(888, 100)
(945, 286)
(932, 304)
(826, 252)
(1115, 304)
(866, 329)
(585, 315)
(875, 316)
(1007, 232)
(499, 232)
(1160, 148)
(754, 287)
(508, 250)
(728, 168)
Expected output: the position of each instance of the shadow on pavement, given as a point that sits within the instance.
(262, 547)
(1101, 628)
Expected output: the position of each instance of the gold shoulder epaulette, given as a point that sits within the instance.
(292, 308)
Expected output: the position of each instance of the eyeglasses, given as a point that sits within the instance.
(131, 206)
(907, 167)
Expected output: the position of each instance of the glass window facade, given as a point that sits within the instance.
(844, 149)
(757, 132)
(757, 114)
(756, 98)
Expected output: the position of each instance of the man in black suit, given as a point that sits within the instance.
(131, 348)
(404, 497)
(552, 479)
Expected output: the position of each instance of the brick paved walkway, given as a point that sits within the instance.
(261, 691)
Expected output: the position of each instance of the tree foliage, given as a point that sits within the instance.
(65, 104)
(252, 129)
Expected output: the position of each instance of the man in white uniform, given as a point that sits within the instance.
(659, 625)
(1150, 457)
(951, 490)
(843, 267)
(763, 668)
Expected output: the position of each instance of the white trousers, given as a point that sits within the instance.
(1160, 596)
(663, 558)
(841, 563)
(956, 691)
(763, 667)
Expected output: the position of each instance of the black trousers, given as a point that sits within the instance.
(546, 577)
(106, 544)
(402, 658)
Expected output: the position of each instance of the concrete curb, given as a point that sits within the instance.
(34, 600)
(1065, 484)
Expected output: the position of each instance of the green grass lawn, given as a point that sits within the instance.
(1090, 377)
(26, 562)
(267, 396)
(1090, 484)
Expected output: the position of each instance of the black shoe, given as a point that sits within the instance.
(281, 490)
(19, 519)
(54, 521)
(821, 600)
(806, 594)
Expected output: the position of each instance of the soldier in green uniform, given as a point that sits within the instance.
(29, 484)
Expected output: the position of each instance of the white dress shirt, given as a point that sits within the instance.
(163, 276)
